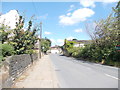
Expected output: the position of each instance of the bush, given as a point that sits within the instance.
(1, 58)
(29, 51)
(76, 51)
(103, 54)
(7, 50)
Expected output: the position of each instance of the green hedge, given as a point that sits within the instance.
(7, 50)
(110, 56)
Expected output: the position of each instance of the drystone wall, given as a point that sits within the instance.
(13, 67)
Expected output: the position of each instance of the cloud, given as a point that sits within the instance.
(71, 8)
(53, 41)
(59, 42)
(76, 17)
(70, 38)
(48, 33)
(87, 3)
(68, 14)
(78, 30)
(91, 3)
(10, 18)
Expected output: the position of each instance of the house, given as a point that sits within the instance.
(55, 50)
(78, 43)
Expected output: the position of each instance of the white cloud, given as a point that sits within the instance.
(78, 30)
(60, 42)
(57, 42)
(10, 18)
(76, 17)
(87, 3)
(48, 33)
(68, 14)
(70, 38)
(91, 3)
(71, 8)
(53, 41)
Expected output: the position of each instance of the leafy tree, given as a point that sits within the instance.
(23, 41)
(45, 45)
(4, 32)
(7, 50)
(105, 37)
(117, 20)
(68, 47)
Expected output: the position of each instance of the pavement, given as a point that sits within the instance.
(73, 73)
(40, 75)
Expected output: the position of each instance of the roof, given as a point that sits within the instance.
(80, 40)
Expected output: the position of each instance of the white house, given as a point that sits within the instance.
(55, 50)
(80, 43)
(10, 19)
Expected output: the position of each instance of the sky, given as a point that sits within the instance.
(62, 20)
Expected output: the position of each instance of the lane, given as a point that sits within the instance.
(72, 73)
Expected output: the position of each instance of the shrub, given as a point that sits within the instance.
(7, 50)
(1, 58)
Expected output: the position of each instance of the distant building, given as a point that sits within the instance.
(80, 43)
(9, 19)
(55, 50)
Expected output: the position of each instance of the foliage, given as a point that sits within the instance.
(17, 41)
(1, 58)
(24, 41)
(68, 46)
(45, 45)
(75, 51)
(105, 37)
(4, 32)
(7, 50)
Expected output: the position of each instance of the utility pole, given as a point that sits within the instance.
(40, 40)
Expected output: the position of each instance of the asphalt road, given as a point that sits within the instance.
(74, 73)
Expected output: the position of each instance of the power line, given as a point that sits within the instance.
(35, 7)
(40, 54)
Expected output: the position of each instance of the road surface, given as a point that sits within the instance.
(74, 73)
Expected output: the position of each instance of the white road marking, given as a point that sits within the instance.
(111, 76)
(106, 66)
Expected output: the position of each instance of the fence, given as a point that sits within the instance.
(13, 67)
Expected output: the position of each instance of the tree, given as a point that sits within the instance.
(45, 45)
(117, 20)
(24, 41)
(105, 36)
(4, 32)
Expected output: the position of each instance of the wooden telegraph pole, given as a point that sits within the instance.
(40, 40)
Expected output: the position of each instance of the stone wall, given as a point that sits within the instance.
(13, 67)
